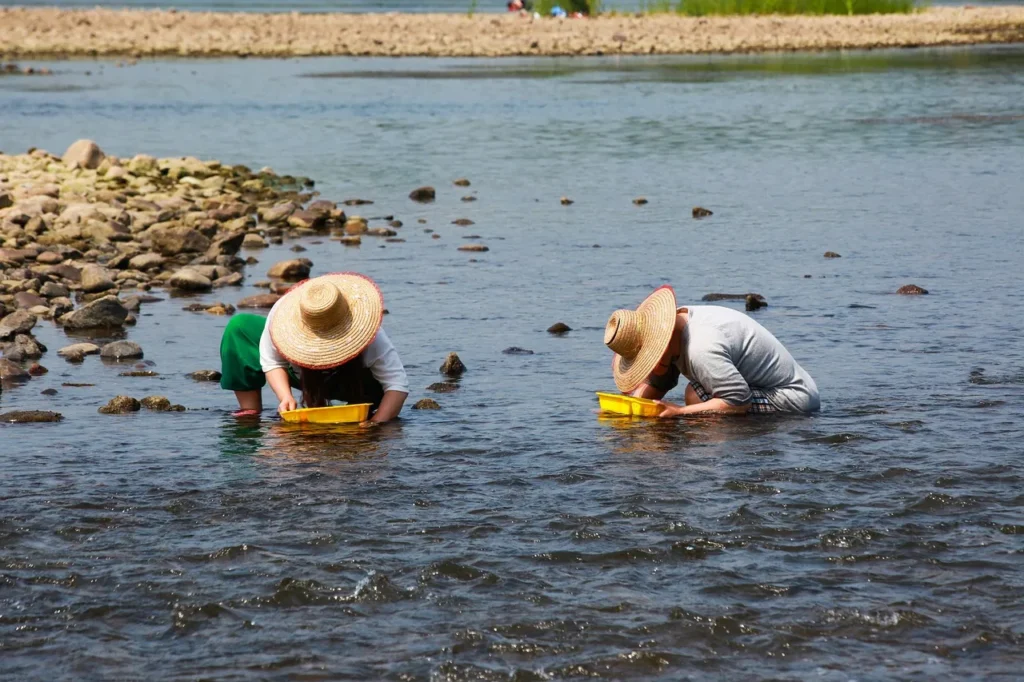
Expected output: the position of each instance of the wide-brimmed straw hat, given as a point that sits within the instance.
(328, 320)
(640, 337)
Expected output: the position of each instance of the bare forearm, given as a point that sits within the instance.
(279, 383)
(390, 406)
(713, 406)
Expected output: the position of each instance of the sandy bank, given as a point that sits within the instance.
(97, 32)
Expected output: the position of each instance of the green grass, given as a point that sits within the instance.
(701, 8)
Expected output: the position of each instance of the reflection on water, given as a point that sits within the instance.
(515, 533)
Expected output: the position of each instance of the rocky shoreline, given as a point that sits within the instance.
(87, 238)
(59, 33)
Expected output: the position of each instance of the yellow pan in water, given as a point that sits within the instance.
(624, 404)
(341, 414)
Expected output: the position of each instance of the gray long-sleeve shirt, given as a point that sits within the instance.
(729, 354)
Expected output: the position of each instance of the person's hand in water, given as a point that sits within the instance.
(669, 409)
(287, 405)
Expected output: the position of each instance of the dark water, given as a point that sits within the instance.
(515, 535)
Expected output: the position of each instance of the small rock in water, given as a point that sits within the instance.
(461, 182)
(259, 301)
(121, 350)
(469, 198)
(730, 297)
(559, 328)
(911, 290)
(10, 371)
(156, 402)
(351, 240)
(566, 201)
(516, 350)
(701, 212)
(423, 194)
(452, 365)
(188, 279)
(291, 270)
(37, 370)
(426, 404)
(139, 373)
(832, 254)
(30, 416)
(18, 322)
(754, 303)
(204, 375)
(79, 349)
(640, 201)
(443, 387)
(298, 248)
(463, 222)
(473, 247)
(96, 278)
(102, 313)
(254, 241)
(122, 404)
(49, 391)
(356, 202)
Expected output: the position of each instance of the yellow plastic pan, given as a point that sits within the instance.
(624, 404)
(341, 414)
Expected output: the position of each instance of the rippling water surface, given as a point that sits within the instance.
(515, 535)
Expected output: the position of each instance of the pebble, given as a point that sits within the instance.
(473, 247)
(139, 373)
(559, 328)
(753, 302)
(516, 350)
(701, 212)
(188, 279)
(426, 404)
(832, 254)
(461, 182)
(911, 290)
(463, 222)
(79, 349)
(423, 194)
(640, 201)
(566, 201)
(469, 198)
(37, 370)
(204, 375)
(291, 270)
(443, 387)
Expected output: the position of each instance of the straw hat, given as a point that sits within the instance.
(640, 337)
(328, 320)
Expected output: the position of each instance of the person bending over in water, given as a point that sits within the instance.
(324, 337)
(733, 364)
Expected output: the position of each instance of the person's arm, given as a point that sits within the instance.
(713, 406)
(279, 383)
(390, 406)
(383, 362)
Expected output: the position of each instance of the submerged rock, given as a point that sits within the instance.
(516, 350)
(11, 371)
(468, 198)
(30, 417)
(139, 373)
(463, 222)
(37, 370)
(426, 404)
(731, 297)
(79, 349)
(443, 387)
(121, 350)
(911, 290)
(423, 194)
(559, 328)
(461, 182)
(452, 365)
(832, 254)
(259, 301)
(701, 212)
(473, 247)
(752, 302)
(566, 201)
(156, 402)
(640, 201)
(188, 279)
(122, 404)
(204, 375)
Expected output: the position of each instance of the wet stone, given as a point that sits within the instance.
(121, 404)
(452, 365)
(463, 222)
(731, 297)
(832, 254)
(30, 416)
(911, 290)
(37, 370)
(423, 194)
(516, 350)
(559, 328)
(48, 391)
(11, 371)
(566, 201)
(204, 375)
(139, 373)
(752, 302)
(188, 279)
(468, 198)
(106, 312)
(461, 182)
(701, 212)
(121, 350)
(640, 201)
(443, 387)
(79, 349)
(426, 404)
(291, 270)
(18, 322)
(157, 403)
(473, 247)
(259, 301)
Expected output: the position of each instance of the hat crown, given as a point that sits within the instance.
(624, 333)
(322, 305)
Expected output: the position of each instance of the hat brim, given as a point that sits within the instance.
(311, 348)
(658, 312)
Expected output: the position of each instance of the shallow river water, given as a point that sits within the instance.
(514, 534)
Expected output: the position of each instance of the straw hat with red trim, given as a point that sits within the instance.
(640, 337)
(328, 320)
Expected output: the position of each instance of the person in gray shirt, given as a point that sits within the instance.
(733, 364)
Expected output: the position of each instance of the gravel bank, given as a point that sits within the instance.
(104, 32)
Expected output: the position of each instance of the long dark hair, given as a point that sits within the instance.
(344, 382)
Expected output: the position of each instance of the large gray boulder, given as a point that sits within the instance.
(105, 312)
(18, 322)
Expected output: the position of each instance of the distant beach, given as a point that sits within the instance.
(48, 32)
